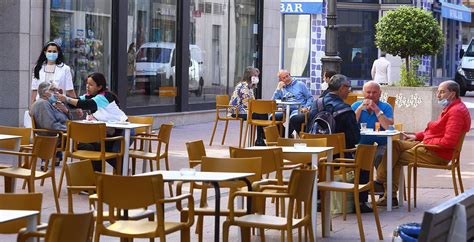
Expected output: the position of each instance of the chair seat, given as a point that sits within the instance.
(141, 154)
(265, 220)
(93, 155)
(340, 186)
(264, 122)
(140, 227)
(210, 211)
(20, 172)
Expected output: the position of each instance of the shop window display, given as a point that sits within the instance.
(82, 29)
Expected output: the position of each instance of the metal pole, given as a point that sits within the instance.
(331, 60)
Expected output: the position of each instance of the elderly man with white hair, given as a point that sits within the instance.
(48, 112)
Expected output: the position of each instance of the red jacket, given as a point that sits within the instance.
(447, 130)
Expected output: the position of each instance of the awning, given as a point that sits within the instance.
(301, 6)
(455, 12)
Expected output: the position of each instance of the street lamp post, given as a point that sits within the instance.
(331, 60)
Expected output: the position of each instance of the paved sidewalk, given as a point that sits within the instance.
(434, 187)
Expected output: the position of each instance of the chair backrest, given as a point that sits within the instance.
(272, 158)
(165, 132)
(80, 173)
(44, 148)
(128, 192)
(262, 107)
(350, 99)
(304, 158)
(391, 100)
(399, 127)
(336, 140)
(364, 160)
(196, 150)
(301, 185)
(20, 201)
(247, 165)
(141, 120)
(70, 227)
(271, 135)
(25, 134)
(222, 100)
(437, 221)
(86, 132)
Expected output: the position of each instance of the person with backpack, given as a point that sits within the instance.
(369, 111)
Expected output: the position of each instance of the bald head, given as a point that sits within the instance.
(284, 76)
(372, 91)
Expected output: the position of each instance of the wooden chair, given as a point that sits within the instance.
(25, 144)
(351, 98)
(300, 158)
(299, 190)
(129, 192)
(271, 135)
(364, 160)
(222, 104)
(391, 100)
(211, 164)
(44, 147)
(64, 227)
(140, 144)
(454, 165)
(78, 132)
(196, 151)
(260, 107)
(162, 140)
(22, 201)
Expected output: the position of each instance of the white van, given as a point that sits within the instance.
(465, 73)
(155, 65)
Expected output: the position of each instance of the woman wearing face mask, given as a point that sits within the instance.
(103, 105)
(243, 92)
(51, 68)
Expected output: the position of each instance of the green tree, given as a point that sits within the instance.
(409, 31)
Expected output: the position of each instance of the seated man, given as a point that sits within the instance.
(369, 111)
(453, 121)
(289, 90)
(49, 113)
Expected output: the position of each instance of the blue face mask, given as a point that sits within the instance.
(52, 99)
(51, 56)
(444, 102)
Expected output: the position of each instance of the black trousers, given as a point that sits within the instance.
(260, 134)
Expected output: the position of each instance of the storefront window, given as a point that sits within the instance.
(356, 42)
(296, 50)
(151, 40)
(358, 1)
(82, 29)
(208, 50)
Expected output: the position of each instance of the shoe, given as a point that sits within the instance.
(379, 188)
(382, 202)
(260, 142)
(364, 208)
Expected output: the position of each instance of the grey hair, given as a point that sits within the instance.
(249, 72)
(453, 87)
(336, 82)
(43, 88)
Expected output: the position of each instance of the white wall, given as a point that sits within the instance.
(271, 47)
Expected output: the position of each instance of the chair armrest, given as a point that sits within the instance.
(145, 138)
(337, 164)
(351, 150)
(292, 166)
(257, 184)
(344, 160)
(17, 153)
(178, 200)
(24, 235)
(251, 194)
(81, 188)
(274, 187)
(114, 138)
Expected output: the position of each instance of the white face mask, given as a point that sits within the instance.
(324, 86)
(255, 80)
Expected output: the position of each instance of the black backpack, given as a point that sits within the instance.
(324, 121)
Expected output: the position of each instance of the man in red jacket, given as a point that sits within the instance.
(446, 132)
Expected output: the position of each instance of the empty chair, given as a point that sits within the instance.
(44, 147)
(299, 190)
(260, 107)
(222, 104)
(64, 227)
(129, 192)
(271, 135)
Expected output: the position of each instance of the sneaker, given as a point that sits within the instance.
(364, 208)
(382, 202)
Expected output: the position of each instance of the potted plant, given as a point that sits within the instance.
(410, 33)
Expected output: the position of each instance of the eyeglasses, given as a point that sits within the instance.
(348, 86)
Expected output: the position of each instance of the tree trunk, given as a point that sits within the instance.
(407, 64)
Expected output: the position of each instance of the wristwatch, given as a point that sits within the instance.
(380, 113)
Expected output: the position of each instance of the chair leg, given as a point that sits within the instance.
(61, 177)
(376, 212)
(245, 135)
(185, 235)
(31, 186)
(240, 132)
(151, 164)
(262, 234)
(455, 186)
(119, 165)
(359, 218)
(213, 132)
(323, 213)
(289, 235)
(167, 164)
(225, 231)
(225, 131)
(415, 180)
(55, 194)
(409, 187)
(310, 229)
(245, 234)
(134, 165)
(458, 167)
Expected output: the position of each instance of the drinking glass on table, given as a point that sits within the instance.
(363, 126)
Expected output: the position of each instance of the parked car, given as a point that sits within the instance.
(155, 65)
(465, 72)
